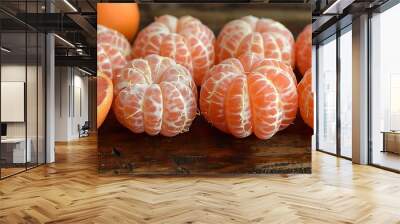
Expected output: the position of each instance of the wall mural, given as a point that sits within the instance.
(204, 89)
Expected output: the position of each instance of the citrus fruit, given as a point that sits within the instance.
(250, 94)
(261, 36)
(111, 38)
(117, 60)
(186, 40)
(112, 46)
(104, 97)
(155, 95)
(306, 99)
(303, 49)
(123, 17)
(103, 62)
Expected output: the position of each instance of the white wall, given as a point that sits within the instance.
(12, 73)
(61, 104)
(71, 94)
(33, 127)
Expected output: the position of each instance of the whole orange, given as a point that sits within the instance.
(123, 17)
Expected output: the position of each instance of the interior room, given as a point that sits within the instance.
(29, 101)
(22, 98)
(50, 165)
(385, 123)
(336, 83)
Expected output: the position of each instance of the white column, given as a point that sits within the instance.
(360, 90)
(50, 99)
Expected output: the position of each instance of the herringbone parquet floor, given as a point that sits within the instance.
(71, 191)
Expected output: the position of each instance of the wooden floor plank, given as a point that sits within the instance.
(72, 191)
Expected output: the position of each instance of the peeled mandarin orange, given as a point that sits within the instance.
(303, 49)
(104, 97)
(306, 99)
(155, 95)
(249, 95)
(103, 62)
(186, 40)
(112, 38)
(261, 36)
(113, 48)
(123, 17)
(117, 60)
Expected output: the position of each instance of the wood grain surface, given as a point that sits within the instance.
(72, 191)
(204, 150)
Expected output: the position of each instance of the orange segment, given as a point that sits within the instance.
(256, 35)
(127, 107)
(251, 43)
(190, 103)
(174, 46)
(103, 62)
(186, 40)
(155, 95)
(282, 77)
(237, 108)
(303, 49)
(136, 72)
(149, 40)
(265, 106)
(118, 61)
(265, 25)
(212, 98)
(249, 95)
(306, 99)
(174, 114)
(230, 37)
(104, 97)
(152, 109)
(112, 38)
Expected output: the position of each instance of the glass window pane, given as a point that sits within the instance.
(15, 150)
(327, 97)
(346, 94)
(385, 114)
(31, 97)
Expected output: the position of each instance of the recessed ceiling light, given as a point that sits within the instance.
(337, 7)
(70, 5)
(64, 40)
(5, 50)
(84, 71)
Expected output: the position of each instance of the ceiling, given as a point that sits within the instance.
(22, 21)
(331, 15)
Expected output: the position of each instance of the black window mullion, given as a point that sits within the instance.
(26, 87)
(338, 74)
(316, 97)
(37, 90)
(369, 96)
